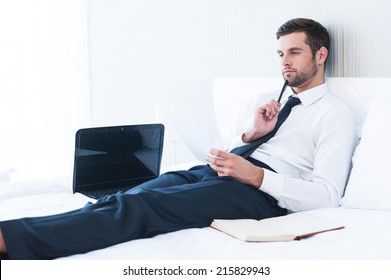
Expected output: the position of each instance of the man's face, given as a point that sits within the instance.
(299, 66)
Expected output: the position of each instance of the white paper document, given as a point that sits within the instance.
(189, 107)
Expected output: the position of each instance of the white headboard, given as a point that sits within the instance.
(231, 94)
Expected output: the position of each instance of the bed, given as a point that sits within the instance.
(365, 210)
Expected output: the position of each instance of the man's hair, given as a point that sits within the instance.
(317, 35)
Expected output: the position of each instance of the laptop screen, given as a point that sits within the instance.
(109, 157)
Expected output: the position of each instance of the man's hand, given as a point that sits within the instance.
(265, 120)
(227, 164)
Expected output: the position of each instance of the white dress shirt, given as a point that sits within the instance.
(311, 152)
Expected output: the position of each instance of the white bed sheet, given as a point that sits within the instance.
(366, 235)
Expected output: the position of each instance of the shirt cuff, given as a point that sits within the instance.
(273, 184)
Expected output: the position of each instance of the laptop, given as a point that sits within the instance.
(117, 158)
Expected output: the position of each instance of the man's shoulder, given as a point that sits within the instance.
(334, 108)
(335, 103)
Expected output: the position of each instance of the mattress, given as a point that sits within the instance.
(365, 236)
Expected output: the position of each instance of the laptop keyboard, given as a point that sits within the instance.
(100, 194)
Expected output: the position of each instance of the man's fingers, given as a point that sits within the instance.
(270, 109)
(218, 154)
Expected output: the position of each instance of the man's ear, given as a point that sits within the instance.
(322, 55)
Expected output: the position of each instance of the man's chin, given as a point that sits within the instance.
(289, 79)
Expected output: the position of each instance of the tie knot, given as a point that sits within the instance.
(286, 110)
(292, 101)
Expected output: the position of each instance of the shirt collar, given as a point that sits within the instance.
(309, 96)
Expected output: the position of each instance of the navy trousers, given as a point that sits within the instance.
(174, 201)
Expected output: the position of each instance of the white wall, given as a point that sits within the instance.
(133, 47)
(136, 45)
(43, 86)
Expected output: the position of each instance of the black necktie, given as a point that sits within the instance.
(246, 150)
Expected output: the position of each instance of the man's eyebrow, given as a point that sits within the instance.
(291, 49)
(295, 49)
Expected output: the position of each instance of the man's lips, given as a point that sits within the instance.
(288, 71)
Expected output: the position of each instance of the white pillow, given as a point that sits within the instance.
(369, 186)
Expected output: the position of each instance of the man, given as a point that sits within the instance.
(303, 166)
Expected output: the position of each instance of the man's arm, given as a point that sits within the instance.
(227, 164)
(245, 120)
(323, 183)
(3, 248)
(265, 119)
